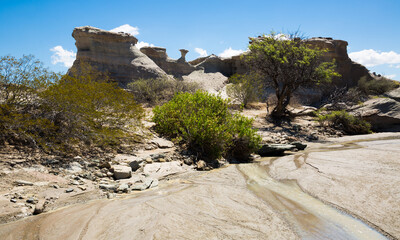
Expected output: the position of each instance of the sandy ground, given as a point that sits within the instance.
(216, 205)
(358, 174)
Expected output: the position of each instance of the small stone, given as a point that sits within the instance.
(109, 187)
(31, 200)
(123, 188)
(23, 183)
(55, 186)
(154, 183)
(201, 165)
(105, 165)
(299, 145)
(39, 208)
(110, 195)
(122, 172)
(75, 182)
(82, 188)
(161, 160)
(109, 174)
(135, 165)
(69, 190)
(188, 161)
(13, 200)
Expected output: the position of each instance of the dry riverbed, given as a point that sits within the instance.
(358, 175)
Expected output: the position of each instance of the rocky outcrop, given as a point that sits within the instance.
(226, 66)
(113, 53)
(382, 113)
(177, 68)
(337, 50)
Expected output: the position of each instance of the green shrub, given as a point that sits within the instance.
(342, 120)
(245, 88)
(203, 123)
(64, 114)
(376, 86)
(157, 91)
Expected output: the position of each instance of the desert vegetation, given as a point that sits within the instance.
(287, 62)
(156, 91)
(66, 113)
(203, 123)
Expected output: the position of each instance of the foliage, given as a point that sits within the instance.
(159, 90)
(245, 88)
(342, 120)
(376, 86)
(54, 113)
(203, 123)
(287, 63)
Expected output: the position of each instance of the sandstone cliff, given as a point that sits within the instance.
(114, 53)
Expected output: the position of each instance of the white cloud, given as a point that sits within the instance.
(371, 58)
(392, 76)
(139, 45)
(201, 52)
(126, 28)
(230, 52)
(398, 66)
(63, 56)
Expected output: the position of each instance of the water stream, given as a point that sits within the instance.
(310, 217)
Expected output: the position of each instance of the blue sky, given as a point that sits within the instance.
(218, 26)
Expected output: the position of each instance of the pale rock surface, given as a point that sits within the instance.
(121, 172)
(113, 53)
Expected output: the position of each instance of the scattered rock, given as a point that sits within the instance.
(122, 172)
(108, 187)
(143, 186)
(69, 190)
(55, 186)
(162, 143)
(160, 170)
(123, 188)
(299, 145)
(13, 200)
(32, 200)
(23, 183)
(39, 207)
(135, 165)
(149, 160)
(74, 167)
(274, 149)
(201, 165)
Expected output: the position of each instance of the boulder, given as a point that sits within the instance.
(382, 113)
(135, 165)
(275, 149)
(114, 53)
(121, 172)
(210, 82)
(144, 185)
(162, 169)
(299, 145)
(162, 143)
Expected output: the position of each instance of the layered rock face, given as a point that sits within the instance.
(177, 68)
(113, 53)
(226, 66)
(337, 49)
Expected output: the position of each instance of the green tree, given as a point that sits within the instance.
(286, 63)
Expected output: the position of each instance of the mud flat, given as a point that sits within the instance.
(245, 202)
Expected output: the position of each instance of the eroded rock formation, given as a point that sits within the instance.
(114, 53)
(177, 68)
(337, 49)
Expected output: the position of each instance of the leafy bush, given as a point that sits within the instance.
(376, 86)
(203, 123)
(159, 90)
(342, 120)
(43, 110)
(245, 88)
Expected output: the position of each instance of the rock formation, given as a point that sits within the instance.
(382, 113)
(114, 53)
(337, 49)
(177, 68)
